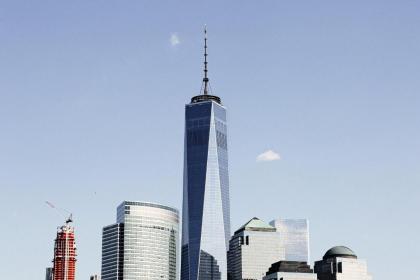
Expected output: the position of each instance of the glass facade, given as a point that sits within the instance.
(294, 238)
(143, 244)
(49, 273)
(206, 212)
(112, 252)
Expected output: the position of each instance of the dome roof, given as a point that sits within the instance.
(340, 251)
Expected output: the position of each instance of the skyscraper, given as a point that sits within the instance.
(341, 263)
(294, 237)
(206, 210)
(113, 252)
(65, 253)
(253, 249)
(142, 244)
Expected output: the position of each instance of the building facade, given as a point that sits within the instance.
(142, 244)
(206, 210)
(65, 253)
(341, 263)
(252, 249)
(290, 270)
(49, 273)
(294, 238)
(113, 252)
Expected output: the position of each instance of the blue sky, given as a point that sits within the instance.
(92, 98)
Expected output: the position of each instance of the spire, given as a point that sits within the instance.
(205, 85)
(205, 79)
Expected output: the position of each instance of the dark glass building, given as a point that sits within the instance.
(206, 213)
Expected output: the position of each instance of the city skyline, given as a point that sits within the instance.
(323, 115)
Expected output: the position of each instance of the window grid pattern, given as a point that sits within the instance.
(148, 243)
(206, 211)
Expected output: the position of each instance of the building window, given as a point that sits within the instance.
(340, 267)
(247, 240)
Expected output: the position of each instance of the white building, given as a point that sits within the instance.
(252, 250)
(143, 244)
(341, 263)
(294, 238)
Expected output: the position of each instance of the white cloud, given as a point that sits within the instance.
(269, 155)
(174, 40)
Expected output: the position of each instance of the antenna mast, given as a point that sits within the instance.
(205, 79)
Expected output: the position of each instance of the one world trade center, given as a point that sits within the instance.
(206, 210)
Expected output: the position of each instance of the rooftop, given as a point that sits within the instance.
(340, 251)
(256, 224)
(206, 97)
(289, 266)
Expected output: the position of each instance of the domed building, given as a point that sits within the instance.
(341, 263)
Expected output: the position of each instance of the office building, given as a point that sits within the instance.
(341, 263)
(65, 253)
(206, 213)
(113, 252)
(290, 270)
(142, 244)
(252, 250)
(294, 238)
(49, 273)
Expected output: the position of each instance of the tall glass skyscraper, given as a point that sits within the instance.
(206, 211)
(294, 237)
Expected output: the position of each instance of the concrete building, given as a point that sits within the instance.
(341, 263)
(252, 249)
(290, 270)
(143, 244)
(294, 238)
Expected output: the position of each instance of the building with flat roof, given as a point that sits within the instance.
(294, 238)
(142, 244)
(252, 249)
(290, 270)
(49, 273)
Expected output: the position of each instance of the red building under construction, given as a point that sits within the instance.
(65, 253)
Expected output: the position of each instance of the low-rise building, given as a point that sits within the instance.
(290, 270)
(341, 263)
